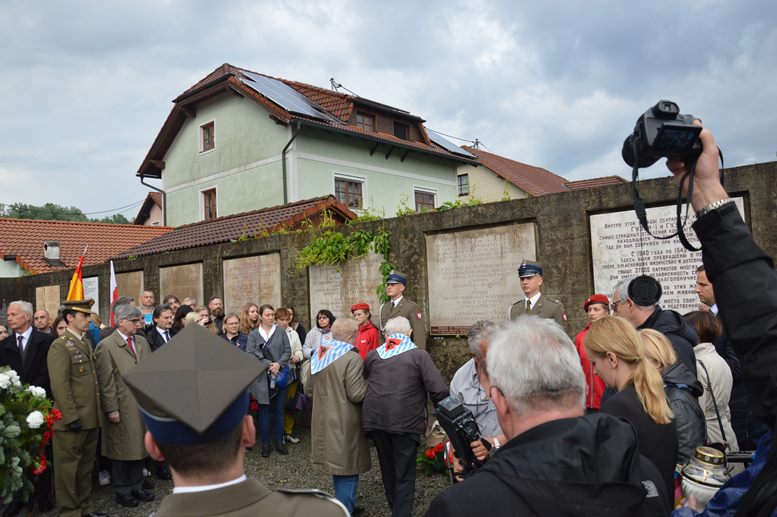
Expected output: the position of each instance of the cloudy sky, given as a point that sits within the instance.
(86, 85)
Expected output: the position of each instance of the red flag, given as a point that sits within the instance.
(114, 294)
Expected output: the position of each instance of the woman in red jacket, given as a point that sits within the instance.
(367, 337)
(597, 305)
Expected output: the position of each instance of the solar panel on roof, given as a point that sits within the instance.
(284, 96)
(438, 139)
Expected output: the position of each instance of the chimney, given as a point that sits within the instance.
(51, 250)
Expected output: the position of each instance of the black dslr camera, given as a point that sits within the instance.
(462, 430)
(662, 132)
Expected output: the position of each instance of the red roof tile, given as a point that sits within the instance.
(595, 182)
(535, 181)
(25, 237)
(339, 105)
(243, 225)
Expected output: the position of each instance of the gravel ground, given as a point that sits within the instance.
(292, 471)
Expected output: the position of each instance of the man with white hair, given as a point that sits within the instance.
(399, 375)
(558, 461)
(636, 299)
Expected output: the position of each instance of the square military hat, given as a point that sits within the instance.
(84, 306)
(193, 389)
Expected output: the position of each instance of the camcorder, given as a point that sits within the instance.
(462, 430)
(662, 132)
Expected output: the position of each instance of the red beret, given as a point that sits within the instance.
(596, 298)
(361, 306)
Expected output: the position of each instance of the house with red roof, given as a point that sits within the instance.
(239, 140)
(31, 246)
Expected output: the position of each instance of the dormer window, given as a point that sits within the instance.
(401, 130)
(365, 121)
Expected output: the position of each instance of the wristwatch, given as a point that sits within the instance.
(713, 206)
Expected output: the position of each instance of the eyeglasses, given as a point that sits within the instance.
(136, 320)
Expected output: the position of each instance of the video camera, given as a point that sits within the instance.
(462, 430)
(662, 132)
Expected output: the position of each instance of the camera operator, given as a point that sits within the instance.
(746, 293)
(468, 387)
(557, 461)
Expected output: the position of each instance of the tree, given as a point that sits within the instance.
(54, 212)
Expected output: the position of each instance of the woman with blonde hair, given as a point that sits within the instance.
(682, 390)
(249, 318)
(617, 353)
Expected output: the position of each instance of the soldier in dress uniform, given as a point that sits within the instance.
(398, 305)
(533, 301)
(75, 389)
(197, 420)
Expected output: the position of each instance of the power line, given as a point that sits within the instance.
(42, 211)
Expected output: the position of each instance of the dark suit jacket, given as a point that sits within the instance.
(34, 369)
(153, 338)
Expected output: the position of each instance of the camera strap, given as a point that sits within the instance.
(639, 204)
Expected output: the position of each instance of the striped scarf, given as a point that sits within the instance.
(326, 354)
(395, 344)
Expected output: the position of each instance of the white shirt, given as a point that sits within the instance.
(266, 335)
(533, 299)
(394, 303)
(162, 333)
(25, 338)
(205, 488)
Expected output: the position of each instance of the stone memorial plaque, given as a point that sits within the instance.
(621, 249)
(130, 284)
(254, 279)
(92, 290)
(182, 281)
(337, 288)
(47, 297)
(472, 274)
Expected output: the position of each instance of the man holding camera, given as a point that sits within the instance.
(557, 461)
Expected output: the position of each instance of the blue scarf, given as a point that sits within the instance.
(327, 353)
(395, 344)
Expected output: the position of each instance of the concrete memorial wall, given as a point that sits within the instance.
(620, 249)
(130, 284)
(47, 297)
(472, 274)
(255, 279)
(181, 281)
(92, 290)
(337, 288)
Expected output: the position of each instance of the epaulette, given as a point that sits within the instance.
(315, 492)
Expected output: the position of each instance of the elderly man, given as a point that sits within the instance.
(42, 321)
(398, 305)
(124, 431)
(636, 299)
(26, 350)
(557, 461)
(202, 429)
(534, 302)
(75, 388)
(399, 376)
(334, 378)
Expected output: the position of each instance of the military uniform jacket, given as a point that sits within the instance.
(74, 381)
(544, 308)
(250, 498)
(410, 310)
(122, 441)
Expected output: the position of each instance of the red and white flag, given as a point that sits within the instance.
(114, 293)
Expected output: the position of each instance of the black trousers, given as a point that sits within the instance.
(126, 476)
(397, 456)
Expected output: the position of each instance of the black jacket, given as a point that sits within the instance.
(588, 465)
(679, 332)
(682, 392)
(155, 340)
(35, 370)
(746, 292)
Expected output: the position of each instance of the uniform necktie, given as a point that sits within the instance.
(167, 336)
(20, 341)
(528, 305)
(131, 346)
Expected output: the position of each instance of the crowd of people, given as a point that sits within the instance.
(601, 424)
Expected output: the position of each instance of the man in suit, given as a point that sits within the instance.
(159, 334)
(398, 305)
(76, 394)
(202, 429)
(534, 302)
(25, 350)
(124, 431)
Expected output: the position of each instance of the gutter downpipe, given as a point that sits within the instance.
(283, 158)
(164, 198)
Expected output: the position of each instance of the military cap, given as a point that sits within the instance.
(193, 389)
(529, 268)
(645, 290)
(396, 277)
(84, 306)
